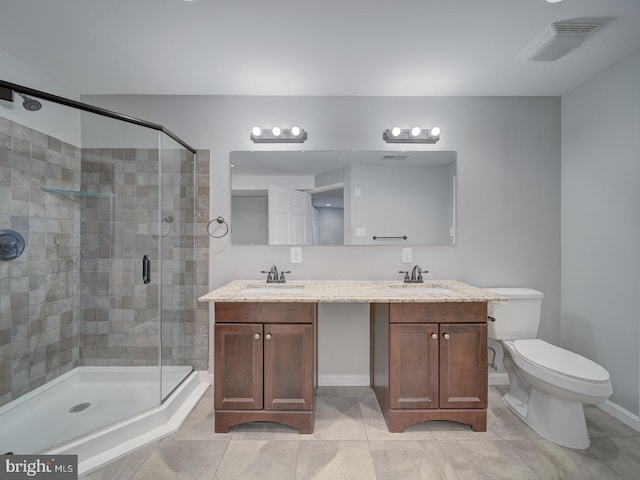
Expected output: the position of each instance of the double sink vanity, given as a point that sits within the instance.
(428, 353)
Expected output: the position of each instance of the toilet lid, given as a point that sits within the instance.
(560, 360)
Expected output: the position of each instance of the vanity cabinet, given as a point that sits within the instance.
(429, 362)
(265, 364)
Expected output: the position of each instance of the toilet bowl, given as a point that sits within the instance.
(548, 385)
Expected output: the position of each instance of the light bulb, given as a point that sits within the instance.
(257, 131)
(435, 131)
(395, 131)
(327, 204)
(415, 131)
(295, 131)
(276, 131)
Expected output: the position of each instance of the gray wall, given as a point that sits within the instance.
(601, 226)
(508, 204)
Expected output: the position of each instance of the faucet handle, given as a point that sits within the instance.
(282, 279)
(406, 275)
(270, 275)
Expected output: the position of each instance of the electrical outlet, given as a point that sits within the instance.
(361, 232)
(407, 255)
(357, 192)
(295, 254)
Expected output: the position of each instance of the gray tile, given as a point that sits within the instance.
(410, 460)
(622, 455)
(485, 459)
(123, 468)
(601, 424)
(184, 460)
(199, 425)
(331, 460)
(550, 461)
(263, 459)
(337, 418)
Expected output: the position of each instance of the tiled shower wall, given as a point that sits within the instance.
(120, 314)
(39, 291)
(74, 297)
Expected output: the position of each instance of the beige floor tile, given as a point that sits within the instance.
(622, 455)
(601, 424)
(182, 460)
(123, 468)
(199, 425)
(337, 418)
(347, 417)
(259, 459)
(551, 461)
(410, 460)
(334, 460)
(485, 459)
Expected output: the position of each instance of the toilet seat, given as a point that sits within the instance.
(560, 367)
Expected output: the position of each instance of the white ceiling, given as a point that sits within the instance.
(310, 47)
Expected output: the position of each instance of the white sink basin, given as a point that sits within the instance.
(421, 290)
(272, 289)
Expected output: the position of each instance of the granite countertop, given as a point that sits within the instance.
(350, 291)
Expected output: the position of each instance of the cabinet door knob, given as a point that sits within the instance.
(268, 336)
(257, 336)
(434, 336)
(446, 336)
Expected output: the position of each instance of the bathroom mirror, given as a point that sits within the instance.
(343, 197)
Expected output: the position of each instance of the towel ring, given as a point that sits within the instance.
(220, 220)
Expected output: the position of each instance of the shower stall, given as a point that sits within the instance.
(101, 262)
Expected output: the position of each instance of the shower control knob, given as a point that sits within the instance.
(257, 336)
(434, 336)
(268, 336)
(446, 336)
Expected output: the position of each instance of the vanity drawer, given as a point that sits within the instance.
(264, 312)
(444, 312)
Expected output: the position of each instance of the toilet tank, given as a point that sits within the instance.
(517, 318)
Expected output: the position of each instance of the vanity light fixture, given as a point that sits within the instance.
(278, 135)
(411, 135)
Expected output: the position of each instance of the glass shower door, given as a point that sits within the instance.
(177, 264)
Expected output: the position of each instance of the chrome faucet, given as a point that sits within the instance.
(272, 275)
(416, 275)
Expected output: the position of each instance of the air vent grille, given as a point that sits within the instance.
(558, 39)
(575, 28)
(395, 157)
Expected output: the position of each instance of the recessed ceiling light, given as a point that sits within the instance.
(554, 1)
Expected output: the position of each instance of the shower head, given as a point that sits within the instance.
(30, 104)
(168, 219)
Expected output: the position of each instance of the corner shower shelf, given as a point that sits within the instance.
(78, 193)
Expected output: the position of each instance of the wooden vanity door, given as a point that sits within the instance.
(463, 365)
(238, 366)
(288, 366)
(413, 365)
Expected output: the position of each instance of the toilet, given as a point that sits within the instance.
(548, 385)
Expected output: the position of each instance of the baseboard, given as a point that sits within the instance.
(343, 380)
(621, 414)
(496, 378)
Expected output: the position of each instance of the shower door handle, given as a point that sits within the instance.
(146, 269)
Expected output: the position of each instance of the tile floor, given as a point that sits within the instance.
(351, 442)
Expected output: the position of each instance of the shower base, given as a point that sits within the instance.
(98, 413)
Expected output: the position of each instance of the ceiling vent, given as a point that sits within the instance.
(560, 38)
